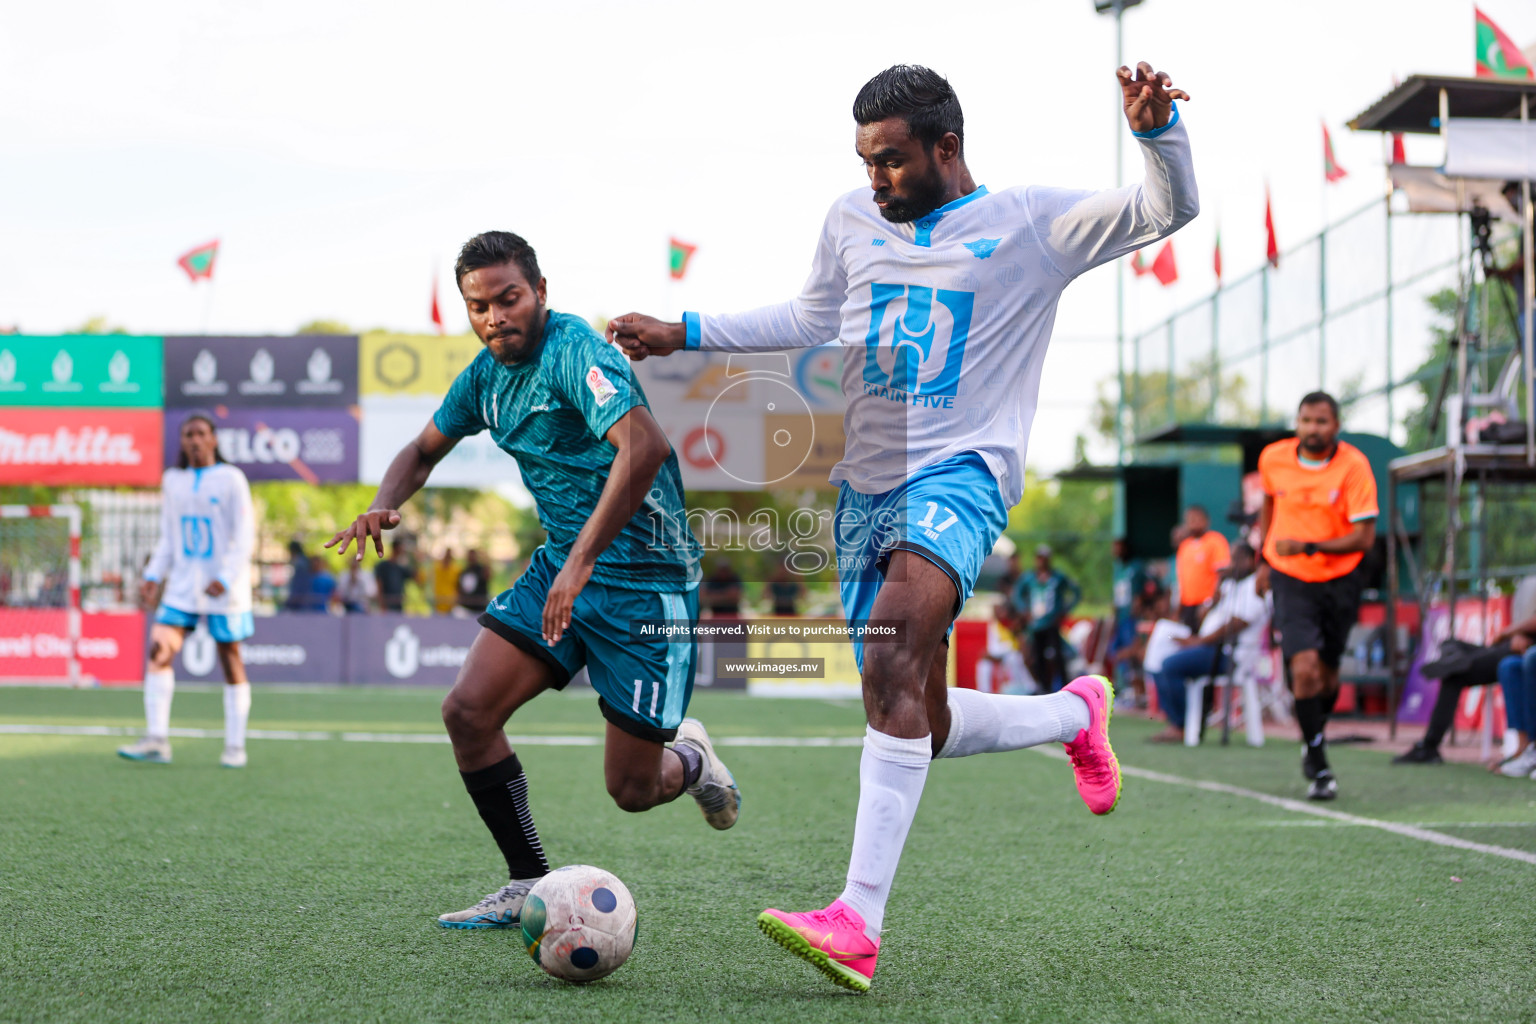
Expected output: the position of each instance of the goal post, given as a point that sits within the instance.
(40, 594)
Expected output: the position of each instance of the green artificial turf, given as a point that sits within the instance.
(303, 888)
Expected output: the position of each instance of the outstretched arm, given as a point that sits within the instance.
(406, 475)
(811, 319)
(1084, 229)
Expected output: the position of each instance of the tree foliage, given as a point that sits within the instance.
(1076, 518)
(1197, 394)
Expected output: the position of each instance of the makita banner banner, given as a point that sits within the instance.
(290, 648)
(63, 446)
(111, 370)
(312, 445)
(313, 371)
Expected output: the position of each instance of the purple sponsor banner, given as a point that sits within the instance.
(409, 650)
(290, 648)
(313, 445)
(307, 371)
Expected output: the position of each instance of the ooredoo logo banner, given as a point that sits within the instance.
(312, 371)
(312, 445)
(61, 446)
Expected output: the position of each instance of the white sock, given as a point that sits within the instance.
(984, 723)
(237, 708)
(159, 688)
(891, 776)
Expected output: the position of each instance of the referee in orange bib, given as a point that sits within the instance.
(1319, 519)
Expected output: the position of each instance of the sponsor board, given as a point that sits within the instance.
(112, 370)
(59, 446)
(390, 423)
(412, 364)
(34, 644)
(312, 371)
(290, 648)
(312, 445)
(404, 649)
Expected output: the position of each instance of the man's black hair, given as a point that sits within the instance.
(1320, 398)
(182, 462)
(492, 249)
(1199, 508)
(921, 97)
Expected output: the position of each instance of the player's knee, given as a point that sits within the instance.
(632, 794)
(462, 718)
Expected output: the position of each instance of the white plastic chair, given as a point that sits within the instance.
(1253, 711)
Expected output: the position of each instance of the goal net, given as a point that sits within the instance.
(40, 594)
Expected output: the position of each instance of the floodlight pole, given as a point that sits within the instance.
(1117, 8)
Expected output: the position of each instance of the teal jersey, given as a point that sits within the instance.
(550, 412)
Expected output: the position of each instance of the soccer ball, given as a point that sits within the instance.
(579, 923)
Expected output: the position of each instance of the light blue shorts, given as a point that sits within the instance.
(950, 513)
(226, 629)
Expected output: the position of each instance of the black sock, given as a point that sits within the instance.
(1309, 715)
(1328, 700)
(500, 793)
(693, 763)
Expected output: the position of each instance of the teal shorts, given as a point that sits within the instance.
(226, 629)
(643, 685)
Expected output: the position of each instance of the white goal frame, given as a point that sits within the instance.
(71, 514)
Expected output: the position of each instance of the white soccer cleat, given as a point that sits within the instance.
(233, 757)
(147, 749)
(1521, 765)
(500, 909)
(715, 789)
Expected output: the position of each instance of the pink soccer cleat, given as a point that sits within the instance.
(830, 940)
(1093, 759)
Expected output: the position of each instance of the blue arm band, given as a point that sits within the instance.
(1155, 132)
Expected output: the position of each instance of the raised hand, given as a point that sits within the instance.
(640, 335)
(369, 524)
(1148, 96)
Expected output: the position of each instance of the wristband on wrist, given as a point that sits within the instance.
(1310, 548)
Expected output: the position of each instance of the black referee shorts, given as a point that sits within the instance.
(1315, 616)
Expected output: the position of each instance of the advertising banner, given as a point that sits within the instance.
(1473, 626)
(421, 365)
(61, 446)
(312, 445)
(112, 370)
(290, 648)
(402, 649)
(312, 371)
(390, 423)
(33, 644)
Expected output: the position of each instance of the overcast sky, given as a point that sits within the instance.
(342, 151)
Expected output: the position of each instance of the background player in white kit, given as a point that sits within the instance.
(202, 566)
(943, 295)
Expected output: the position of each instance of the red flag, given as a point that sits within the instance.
(437, 314)
(1331, 169)
(1271, 248)
(678, 255)
(1216, 261)
(1137, 266)
(1163, 268)
(1398, 155)
(198, 262)
(1497, 54)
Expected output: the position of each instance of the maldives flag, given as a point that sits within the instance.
(678, 255)
(1271, 247)
(1497, 54)
(1163, 268)
(1399, 156)
(1137, 266)
(1331, 169)
(1216, 260)
(199, 262)
(437, 314)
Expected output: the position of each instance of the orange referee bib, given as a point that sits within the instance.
(1316, 504)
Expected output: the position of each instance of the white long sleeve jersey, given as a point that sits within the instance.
(207, 533)
(945, 320)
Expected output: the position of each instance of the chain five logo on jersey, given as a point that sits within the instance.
(916, 343)
(602, 387)
(197, 536)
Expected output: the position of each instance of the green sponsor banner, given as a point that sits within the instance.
(95, 370)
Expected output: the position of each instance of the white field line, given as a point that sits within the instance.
(410, 737)
(1423, 835)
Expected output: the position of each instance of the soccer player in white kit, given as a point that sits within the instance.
(203, 563)
(943, 295)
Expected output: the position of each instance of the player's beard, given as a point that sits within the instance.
(926, 196)
(1317, 445)
(522, 344)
